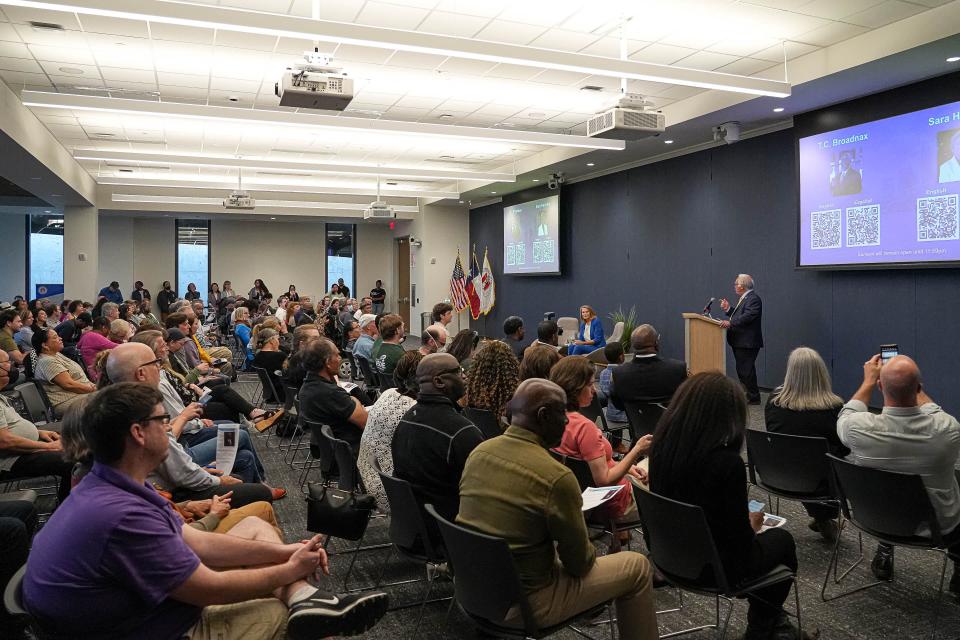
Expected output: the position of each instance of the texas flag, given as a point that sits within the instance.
(473, 284)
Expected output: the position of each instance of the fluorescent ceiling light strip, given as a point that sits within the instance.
(273, 164)
(292, 204)
(244, 21)
(257, 187)
(100, 104)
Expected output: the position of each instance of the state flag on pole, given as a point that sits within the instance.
(488, 292)
(458, 293)
(472, 287)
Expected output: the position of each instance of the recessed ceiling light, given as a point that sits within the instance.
(45, 26)
(668, 142)
(446, 115)
(591, 87)
(73, 71)
(953, 59)
(233, 99)
(461, 202)
(589, 164)
(494, 192)
(778, 109)
(105, 135)
(46, 211)
(536, 179)
(391, 184)
(273, 218)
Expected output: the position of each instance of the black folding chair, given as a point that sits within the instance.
(370, 377)
(891, 507)
(682, 548)
(487, 585)
(642, 417)
(485, 420)
(593, 411)
(790, 467)
(35, 401)
(269, 395)
(321, 456)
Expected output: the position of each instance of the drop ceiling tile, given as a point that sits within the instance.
(564, 40)
(16, 79)
(609, 47)
(391, 16)
(744, 46)
(680, 92)
(20, 64)
(354, 53)
(497, 110)
(177, 33)
(24, 15)
(453, 24)
(251, 41)
(933, 3)
(127, 75)
(239, 63)
(294, 48)
(564, 78)
(8, 33)
(605, 82)
(778, 23)
(836, 9)
(510, 32)
(183, 79)
(746, 66)
(67, 69)
(15, 50)
(381, 99)
(121, 58)
(513, 72)
(535, 13)
(793, 50)
(831, 34)
(411, 60)
(267, 6)
(62, 55)
(884, 14)
(65, 82)
(64, 39)
(232, 86)
(488, 8)
(222, 98)
(658, 53)
(406, 114)
(339, 11)
(692, 39)
(466, 67)
(468, 106)
(705, 60)
(173, 93)
(114, 26)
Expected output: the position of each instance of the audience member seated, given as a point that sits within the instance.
(72, 329)
(178, 473)
(911, 435)
(463, 346)
(583, 439)
(513, 335)
(431, 341)
(110, 311)
(242, 331)
(258, 292)
(145, 314)
(382, 420)
(202, 374)
(434, 438)
(270, 357)
(513, 489)
(63, 380)
(696, 459)
(613, 353)
(351, 333)
(590, 335)
(293, 371)
(805, 405)
(386, 355)
(93, 342)
(137, 571)
(18, 521)
(10, 324)
(647, 378)
(363, 347)
(25, 335)
(25, 450)
(324, 401)
(493, 378)
(120, 331)
(346, 312)
(441, 315)
(128, 312)
(537, 361)
(548, 335)
(192, 293)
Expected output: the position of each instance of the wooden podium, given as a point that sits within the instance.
(706, 343)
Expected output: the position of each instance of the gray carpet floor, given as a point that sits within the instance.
(902, 609)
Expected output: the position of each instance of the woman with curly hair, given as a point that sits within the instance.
(493, 378)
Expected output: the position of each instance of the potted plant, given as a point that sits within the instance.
(629, 320)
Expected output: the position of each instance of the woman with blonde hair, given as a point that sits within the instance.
(590, 336)
(805, 405)
(120, 331)
(493, 378)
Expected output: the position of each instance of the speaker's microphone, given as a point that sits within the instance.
(706, 309)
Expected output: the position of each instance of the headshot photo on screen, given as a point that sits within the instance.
(845, 179)
(949, 155)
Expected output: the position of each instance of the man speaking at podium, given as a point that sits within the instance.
(744, 333)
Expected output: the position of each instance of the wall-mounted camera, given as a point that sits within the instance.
(415, 242)
(555, 180)
(728, 133)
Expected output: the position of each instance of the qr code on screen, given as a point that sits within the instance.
(511, 255)
(937, 218)
(825, 229)
(863, 226)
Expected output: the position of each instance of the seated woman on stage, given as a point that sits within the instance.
(590, 337)
(696, 459)
(805, 405)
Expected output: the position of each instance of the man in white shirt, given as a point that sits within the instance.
(950, 170)
(912, 435)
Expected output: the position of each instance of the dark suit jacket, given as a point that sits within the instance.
(745, 320)
(647, 380)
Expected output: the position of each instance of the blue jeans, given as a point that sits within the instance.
(377, 308)
(581, 349)
(203, 451)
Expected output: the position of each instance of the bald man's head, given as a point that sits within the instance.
(126, 363)
(539, 406)
(441, 373)
(645, 339)
(900, 382)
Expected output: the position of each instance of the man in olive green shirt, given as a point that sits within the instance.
(513, 489)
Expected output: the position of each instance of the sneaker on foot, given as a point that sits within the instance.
(882, 564)
(323, 614)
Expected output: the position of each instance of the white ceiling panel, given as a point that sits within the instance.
(832, 33)
(790, 49)
(353, 53)
(24, 15)
(17, 80)
(62, 54)
(339, 11)
(884, 14)
(392, 16)
(510, 32)
(453, 24)
(253, 41)
(746, 66)
(836, 9)
(706, 60)
(177, 33)
(659, 53)
(20, 64)
(411, 60)
(8, 33)
(467, 67)
(744, 45)
(487, 8)
(53, 38)
(114, 26)
(513, 72)
(182, 79)
(564, 78)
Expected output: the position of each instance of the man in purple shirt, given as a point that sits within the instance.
(116, 561)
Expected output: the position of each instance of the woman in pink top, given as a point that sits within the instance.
(93, 342)
(584, 440)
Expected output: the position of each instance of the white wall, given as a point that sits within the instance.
(279, 253)
(376, 260)
(81, 249)
(13, 272)
(153, 254)
(116, 252)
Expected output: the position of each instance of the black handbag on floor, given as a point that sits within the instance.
(338, 513)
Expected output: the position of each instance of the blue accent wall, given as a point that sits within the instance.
(668, 236)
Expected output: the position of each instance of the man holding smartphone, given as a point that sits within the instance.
(912, 435)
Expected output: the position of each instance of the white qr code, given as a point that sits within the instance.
(511, 255)
(863, 226)
(825, 229)
(937, 218)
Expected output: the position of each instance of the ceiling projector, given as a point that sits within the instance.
(315, 84)
(379, 210)
(239, 200)
(632, 118)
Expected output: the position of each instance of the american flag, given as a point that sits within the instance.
(458, 292)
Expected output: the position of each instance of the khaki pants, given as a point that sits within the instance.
(264, 619)
(626, 577)
(262, 510)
